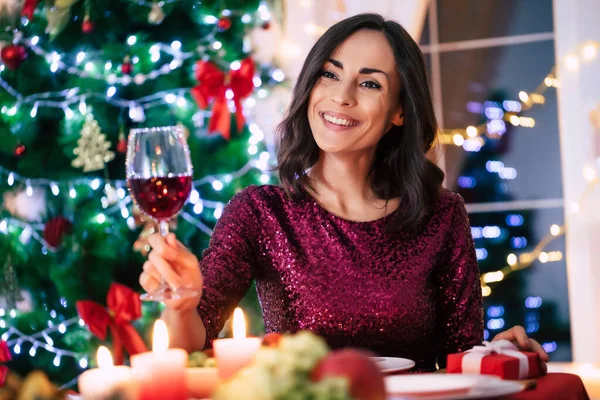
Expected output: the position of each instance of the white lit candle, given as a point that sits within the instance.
(160, 372)
(234, 354)
(107, 380)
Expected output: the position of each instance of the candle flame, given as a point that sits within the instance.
(104, 358)
(239, 324)
(160, 336)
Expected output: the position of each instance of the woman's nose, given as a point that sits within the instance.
(344, 95)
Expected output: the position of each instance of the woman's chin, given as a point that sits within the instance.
(331, 144)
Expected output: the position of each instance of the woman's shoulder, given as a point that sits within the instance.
(260, 197)
(450, 199)
(448, 205)
(258, 193)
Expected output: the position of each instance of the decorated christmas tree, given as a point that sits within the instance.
(76, 76)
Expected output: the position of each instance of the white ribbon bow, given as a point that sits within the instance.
(471, 362)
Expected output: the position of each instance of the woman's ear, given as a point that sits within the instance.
(398, 117)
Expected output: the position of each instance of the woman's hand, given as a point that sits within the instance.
(518, 336)
(171, 260)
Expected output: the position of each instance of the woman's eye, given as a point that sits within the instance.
(327, 74)
(371, 85)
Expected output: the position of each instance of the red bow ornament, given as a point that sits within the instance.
(4, 357)
(214, 84)
(124, 306)
(29, 8)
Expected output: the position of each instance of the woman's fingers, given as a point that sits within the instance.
(160, 246)
(150, 278)
(184, 256)
(164, 268)
(536, 347)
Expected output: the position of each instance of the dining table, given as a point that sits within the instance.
(557, 385)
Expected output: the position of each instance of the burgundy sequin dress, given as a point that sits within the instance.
(415, 295)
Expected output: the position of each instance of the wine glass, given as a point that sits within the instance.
(159, 177)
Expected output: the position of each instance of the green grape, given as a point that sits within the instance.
(197, 359)
(210, 363)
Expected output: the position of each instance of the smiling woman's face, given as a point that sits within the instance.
(356, 99)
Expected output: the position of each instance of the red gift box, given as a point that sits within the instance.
(501, 358)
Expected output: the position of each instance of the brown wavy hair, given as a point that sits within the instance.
(400, 168)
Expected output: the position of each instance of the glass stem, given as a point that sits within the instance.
(163, 226)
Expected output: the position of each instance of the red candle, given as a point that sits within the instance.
(160, 373)
(234, 354)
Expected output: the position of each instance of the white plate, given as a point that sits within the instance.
(428, 385)
(389, 365)
(478, 387)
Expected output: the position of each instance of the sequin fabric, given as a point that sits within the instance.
(406, 294)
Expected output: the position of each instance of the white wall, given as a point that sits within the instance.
(576, 21)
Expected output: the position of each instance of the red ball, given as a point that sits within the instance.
(127, 68)
(20, 150)
(13, 56)
(87, 26)
(55, 229)
(122, 144)
(266, 25)
(224, 23)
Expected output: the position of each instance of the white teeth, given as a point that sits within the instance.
(337, 121)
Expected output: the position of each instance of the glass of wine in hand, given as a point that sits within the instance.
(159, 177)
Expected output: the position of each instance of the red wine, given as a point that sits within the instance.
(160, 197)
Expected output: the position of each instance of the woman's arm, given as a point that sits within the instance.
(458, 301)
(223, 275)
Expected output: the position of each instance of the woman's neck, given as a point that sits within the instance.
(345, 175)
(341, 184)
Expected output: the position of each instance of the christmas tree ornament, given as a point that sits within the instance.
(57, 18)
(10, 10)
(5, 356)
(87, 26)
(64, 3)
(123, 307)
(27, 205)
(55, 230)
(214, 85)
(9, 287)
(92, 149)
(111, 195)
(156, 15)
(184, 129)
(224, 24)
(127, 67)
(20, 150)
(29, 8)
(13, 56)
(122, 143)
(266, 25)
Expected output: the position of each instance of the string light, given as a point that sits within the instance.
(90, 72)
(525, 260)
(572, 62)
(589, 51)
(54, 188)
(217, 185)
(18, 338)
(218, 212)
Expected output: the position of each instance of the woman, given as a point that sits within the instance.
(361, 244)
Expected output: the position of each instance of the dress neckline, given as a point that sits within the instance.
(333, 215)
